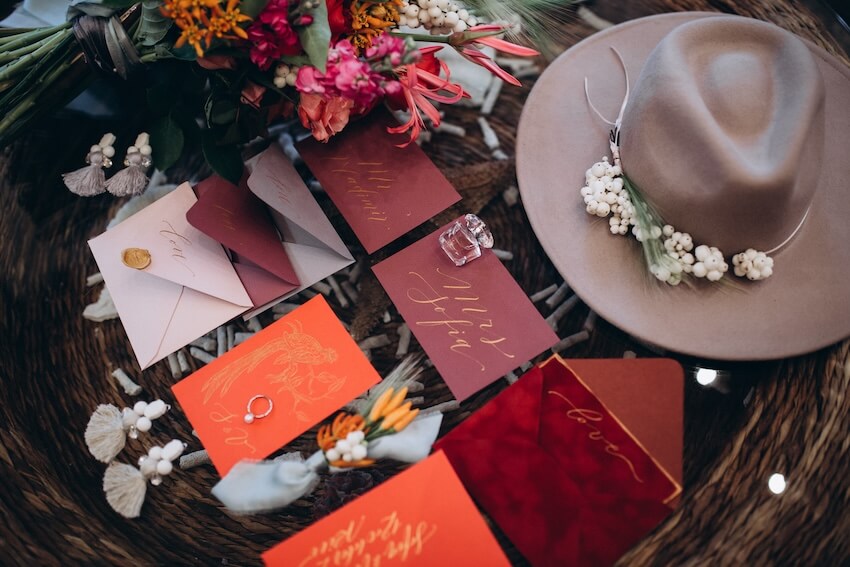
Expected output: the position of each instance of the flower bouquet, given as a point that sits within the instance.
(220, 71)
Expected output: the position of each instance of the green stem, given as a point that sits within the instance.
(21, 40)
(7, 56)
(12, 69)
(422, 37)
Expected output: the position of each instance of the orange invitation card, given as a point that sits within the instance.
(422, 517)
(306, 364)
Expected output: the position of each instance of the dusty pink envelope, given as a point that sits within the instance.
(474, 321)
(383, 191)
(311, 243)
(189, 288)
(238, 219)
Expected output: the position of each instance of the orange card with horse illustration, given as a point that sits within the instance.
(289, 377)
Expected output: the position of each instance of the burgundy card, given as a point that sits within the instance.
(474, 321)
(236, 218)
(383, 191)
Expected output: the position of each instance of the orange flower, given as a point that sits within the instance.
(191, 34)
(370, 18)
(323, 117)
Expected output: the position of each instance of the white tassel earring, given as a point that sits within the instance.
(125, 485)
(109, 427)
(132, 179)
(90, 180)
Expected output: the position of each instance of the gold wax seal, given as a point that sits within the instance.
(137, 258)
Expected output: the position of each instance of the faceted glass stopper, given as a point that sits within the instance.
(463, 240)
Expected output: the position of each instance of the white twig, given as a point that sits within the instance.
(181, 360)
(561, 311)
(195, 459)
(201, 355)
(356, 271)
(492, 96)
(284, 308)
(572, 340)
(205, 343)
(491, 139)
(590, 322)
(444, 407)
(94, 279)
(377, 341)
(221, 338)
(231, 331)
(544, 293)
(387, 317)
(255, 325)
(448, 128)
(511, 377)
(629, 354)
(511, 195)
(592, 19)
(130, 387)
(558, 296)
(499, 154)
(343, 302)
(349, 291)
(403, 340)
(174, 366)
(503, 255)
(239, 338)
(322, 288)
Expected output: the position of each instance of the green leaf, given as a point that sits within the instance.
(166, 141)
(224, 160)
(298, 60)
(316, 38)
(252, 7)
(153, 26)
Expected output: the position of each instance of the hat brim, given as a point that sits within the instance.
(804, 306)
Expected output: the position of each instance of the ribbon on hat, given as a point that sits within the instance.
(669, 253)
(262, 486)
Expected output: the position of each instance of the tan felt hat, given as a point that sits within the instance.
(738, 132)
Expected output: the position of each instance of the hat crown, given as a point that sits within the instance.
(724, 130)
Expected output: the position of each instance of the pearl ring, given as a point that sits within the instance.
(251, 416)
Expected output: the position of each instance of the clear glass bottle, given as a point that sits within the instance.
(464, 239)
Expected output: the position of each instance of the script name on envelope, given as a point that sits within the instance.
(383, 191)
(306, 363)
(422, 517)
(474, 321)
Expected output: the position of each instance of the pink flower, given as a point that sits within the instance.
(346, 76)
(272, 36)
(324, 117)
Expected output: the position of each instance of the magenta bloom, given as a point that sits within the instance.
(272, 36)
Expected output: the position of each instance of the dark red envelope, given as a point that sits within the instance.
(235, 217)
(559, 474)
(382, 190)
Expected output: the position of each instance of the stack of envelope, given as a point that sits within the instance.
(221, 252)
(570, 479)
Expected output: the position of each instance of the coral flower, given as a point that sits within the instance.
(466, 42)
(324, 117)
(419, 88)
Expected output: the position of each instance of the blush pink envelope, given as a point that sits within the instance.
(383, 191)
(236, 218)
(474, 321)
(189, 287)
(311, 243)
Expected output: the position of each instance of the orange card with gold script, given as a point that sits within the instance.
(306, 364)
(420, 518)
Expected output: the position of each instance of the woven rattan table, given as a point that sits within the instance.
(790, 416)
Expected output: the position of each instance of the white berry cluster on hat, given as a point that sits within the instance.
(440, 17)
(605, 195)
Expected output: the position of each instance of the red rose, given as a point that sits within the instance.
(336, 18)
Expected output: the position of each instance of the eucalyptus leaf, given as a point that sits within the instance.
(166, 141)
(224, 160)
(316, 38)
(252, 7)
(153, 26)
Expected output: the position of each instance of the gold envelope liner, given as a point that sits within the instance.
(678, 488)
